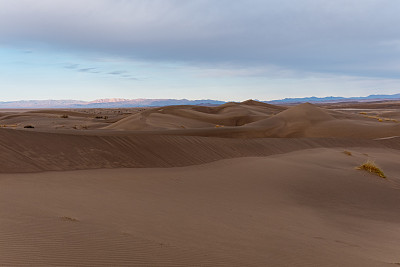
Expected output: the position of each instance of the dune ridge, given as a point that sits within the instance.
(23, 151)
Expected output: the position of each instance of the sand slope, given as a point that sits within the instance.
(306, 208)
(25, 151)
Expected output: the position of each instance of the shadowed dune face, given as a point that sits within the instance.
(25, 151)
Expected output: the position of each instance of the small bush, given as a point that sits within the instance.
(101, 117)
(370, 166)
(29, 126)
(77, 127)
(348, 153)
(64, 116)
(70, 219)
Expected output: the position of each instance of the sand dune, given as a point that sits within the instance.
(241, 184)
(24, 151)
(156, 142)
(250, 120)
(178, 117)
(46, 120)
(306, 208)
(307, 120)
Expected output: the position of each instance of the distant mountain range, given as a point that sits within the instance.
(334, 99)
(105, 103)
(125, 103)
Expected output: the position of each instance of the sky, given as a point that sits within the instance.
(198, 49)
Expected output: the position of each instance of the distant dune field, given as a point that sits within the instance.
(240, 184)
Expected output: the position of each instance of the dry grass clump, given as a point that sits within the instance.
(70, 219)
(64, 116)
(348, 153)
(77, 127)
(9, 125)
(101, 117)
(219, 126)
(388, 119)
(379, 119)
(370, 166)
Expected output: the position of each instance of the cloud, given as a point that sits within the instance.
(71, 66)
(117, 72)
(91, 70)
(341, 36)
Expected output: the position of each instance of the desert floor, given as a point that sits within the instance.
(242, 184)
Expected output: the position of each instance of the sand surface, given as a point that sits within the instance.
(308, 208)
(242, 184)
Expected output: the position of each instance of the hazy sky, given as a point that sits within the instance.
(198, 49)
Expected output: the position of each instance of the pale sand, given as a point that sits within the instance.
(305, 208)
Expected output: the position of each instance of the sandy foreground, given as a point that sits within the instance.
(307, 208)
(238, 185)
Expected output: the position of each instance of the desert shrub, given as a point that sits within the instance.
(29, 126)
(370, 166)
(67, 218)
(64, 116)
(348, 153)
(101, 117)
(77, 127)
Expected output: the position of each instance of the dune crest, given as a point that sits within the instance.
(253, 119)
(189, 117)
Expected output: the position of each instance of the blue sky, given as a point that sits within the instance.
(198, 49)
